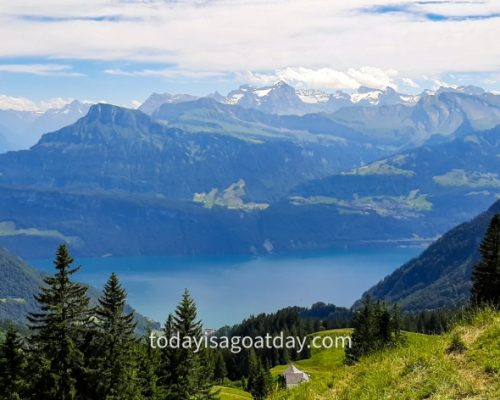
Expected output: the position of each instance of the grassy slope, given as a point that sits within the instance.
(420, 369)
(227, 393)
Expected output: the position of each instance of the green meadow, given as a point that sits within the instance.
(422, 367)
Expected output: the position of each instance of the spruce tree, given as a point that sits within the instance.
(58, 329)
(187, 373)
(149, 362)
(117, 374)
(12, 367)
(203, 376)
(486, 273)
(259, 378)
(364, 325)
(167, 363)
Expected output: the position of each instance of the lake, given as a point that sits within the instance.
(228, 289)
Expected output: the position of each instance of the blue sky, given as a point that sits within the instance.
(122, 50)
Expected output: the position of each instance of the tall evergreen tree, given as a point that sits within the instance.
(203, 376)
(186, 325)
(117, 372)
(259, 379)
(166, 373)
(363, 331)
(184, 372)
(486, 273)
(12, 367)
(58, 329)
(149, 362)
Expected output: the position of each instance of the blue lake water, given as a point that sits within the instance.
(228, 289)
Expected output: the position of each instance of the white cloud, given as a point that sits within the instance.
(24, 104)
(135, 103)
(39, 69)
(410, 83)
(438, 83)
(223, 36)
(164, 72)
(328, 78)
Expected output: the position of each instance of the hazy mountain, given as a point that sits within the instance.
(283, 99)
(22, 129)
(209, 116)
(157, 99)
(430, 189)
(13, 128)
(441, 276)
(4, 143)
(385, 116)
(437, 115)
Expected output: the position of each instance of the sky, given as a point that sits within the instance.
(120, 51)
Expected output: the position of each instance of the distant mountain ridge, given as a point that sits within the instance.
(118, 149)
(22, 129)
(283, 99)
(384, 117)
(436, 116)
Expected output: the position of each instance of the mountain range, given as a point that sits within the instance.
(114, 149)
(383, 116)
(22, 129)
(406, 118)
(283, 99)
(213, 178)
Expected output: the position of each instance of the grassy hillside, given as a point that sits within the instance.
(420, 369)
(227, 393)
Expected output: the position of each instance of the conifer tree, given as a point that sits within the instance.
(486, 273)
(12, 367)
(203, 376)
(373, 328)
(396, 322)
(259, 379)
(117, 374)
(363, 332)
(147, 376)
(186, 375)
(167, 363)
(58, 329)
